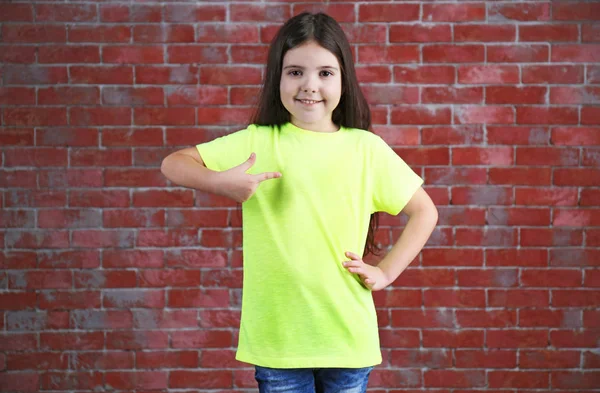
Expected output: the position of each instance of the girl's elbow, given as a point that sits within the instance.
(165, 166)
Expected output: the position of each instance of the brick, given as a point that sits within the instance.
(518, 379)
(513, 338)
(69, 54)
(100, 116)
(484, 33)
(556, 74)
(590, 115)
(576, 136)
(551, 237)
(523, 12)
(575, 11)
(486, 318)
(452, 95)
(454, 12)
(518, 135)
(342, 13)
(588, 95)
(16, 12)
(546, 196)
(461, 338)
(486, 358)
(575, 257)
(576, 53)
(482, 156)
(453, 135)
(426, 74)
(373, 74)
(518, 298)
(259, 13)
(554, 156)
(388, 12)
(484, 74)
(136, 136)
(249, 54)
(515, 95)
(546, 359)
(69, 96)
(370, 33)
(440, 53)
(112, 34)
(122, 75)
(551, 278)
(523, 53)
(577, 177)
(454, 298)
(518, 216)
(65, 13)
(548, 33)
(576, 217)
(132, 54)
(516, 257)
(164, 116)
(484, 114)
(589, 197)
(374, 54)
(92, 157)
(34, 33)
(420, 115)
(454, 378)
(181, 13)
(230, 76)
(420, 33)
(167, 34)
(35, 116)
(575, 298)
(590, 32)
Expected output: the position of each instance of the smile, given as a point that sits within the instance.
(309, 102)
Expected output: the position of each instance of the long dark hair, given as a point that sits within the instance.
(352, 111)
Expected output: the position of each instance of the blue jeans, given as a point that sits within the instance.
(312, 380)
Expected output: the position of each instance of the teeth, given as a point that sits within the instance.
(309, 102)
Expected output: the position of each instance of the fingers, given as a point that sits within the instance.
(353, 256)
(268, 175)
(248, 163)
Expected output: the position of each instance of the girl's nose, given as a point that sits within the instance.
(309, 85)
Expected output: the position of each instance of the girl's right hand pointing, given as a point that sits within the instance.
(239, 185)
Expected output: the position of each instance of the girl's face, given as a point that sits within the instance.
(311, 72)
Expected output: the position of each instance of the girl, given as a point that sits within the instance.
(309, 190)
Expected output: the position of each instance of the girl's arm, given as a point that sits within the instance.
(422, 219)
(186, 168)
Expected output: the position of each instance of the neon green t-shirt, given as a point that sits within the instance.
(301, 308)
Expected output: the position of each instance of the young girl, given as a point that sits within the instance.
(310, 177)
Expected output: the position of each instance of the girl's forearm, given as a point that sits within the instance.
(184, 171)
(411, 241)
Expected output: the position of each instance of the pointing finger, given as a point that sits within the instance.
(268, 175)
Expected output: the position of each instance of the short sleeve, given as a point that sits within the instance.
(394, 182)
(227, 151)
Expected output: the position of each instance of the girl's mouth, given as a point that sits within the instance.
(308, 102)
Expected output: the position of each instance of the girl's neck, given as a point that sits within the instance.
(326, 128)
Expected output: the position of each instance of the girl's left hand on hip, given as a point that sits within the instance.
(371, 276)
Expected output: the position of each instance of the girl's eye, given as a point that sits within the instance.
(293, 73)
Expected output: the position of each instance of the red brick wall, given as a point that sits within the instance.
(112, 278)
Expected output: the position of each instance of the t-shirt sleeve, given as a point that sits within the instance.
(394, 182)
(227, 151)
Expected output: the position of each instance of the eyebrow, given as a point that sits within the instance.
(297, 66)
